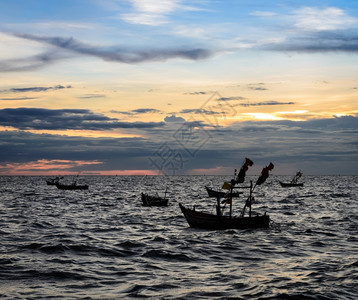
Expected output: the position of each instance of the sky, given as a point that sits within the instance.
(176, 87)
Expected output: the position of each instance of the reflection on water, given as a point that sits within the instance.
(103, 243)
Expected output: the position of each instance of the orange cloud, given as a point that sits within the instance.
(212, 171)
(122, 172)
(57, 167)
(44, 167)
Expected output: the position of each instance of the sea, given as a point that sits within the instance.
(102, 243)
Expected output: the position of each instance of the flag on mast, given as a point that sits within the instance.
(264, 174)
(245, 166)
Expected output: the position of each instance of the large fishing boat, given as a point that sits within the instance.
(219, 220)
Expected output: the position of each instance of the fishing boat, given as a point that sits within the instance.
(294, 182)
(215, 194)
(203, 220)
(148, 200)
(72, 186)
(219, 220)
(53, 181)
(283, 184)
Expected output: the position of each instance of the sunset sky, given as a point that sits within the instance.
(178, 87)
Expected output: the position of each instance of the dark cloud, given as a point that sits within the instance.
(62, 119)
(36, 89)
(39, 89)
(136, 111)
(257, 87)
(231, 98)
(92, 96)
(200, 111)
(322, 41)
(145, 110)
(336, 123)
(322, 146)
(196, 93)
(266, 103)
(174, 119)
(115, 153)
(64, 48)
(18, 98)
(326, 125)
(31, 63)
(118, 54)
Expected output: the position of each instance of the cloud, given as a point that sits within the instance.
(266, 103)
(321, 145)
(18, 99)
(44, 165)
(145, 110)
(257, 86)
(318, 19)
(313, 29)
(30, 63)
(200, 111)
(116, 54)
(62, 119)
(20, 147)
(174, 119)
(231, 98)
(195, 93)
(153, 13)
(92, 96)
(319, 42)
(36, 89)
(136, 111)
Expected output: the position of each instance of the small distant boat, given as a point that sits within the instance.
(148, 200)
(283, 184)
(72, 186)
(53, 181)
(293, 182)
(215, 194)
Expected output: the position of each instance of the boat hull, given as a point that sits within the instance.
(153, 201)
(215, 194)
(202, 220)
(283, 184)
(72, 187)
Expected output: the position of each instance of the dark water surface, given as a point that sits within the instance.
(102, 244)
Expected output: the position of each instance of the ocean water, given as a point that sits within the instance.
(103, 244)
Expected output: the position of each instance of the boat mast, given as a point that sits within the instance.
(230, 199)
(250, 198)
